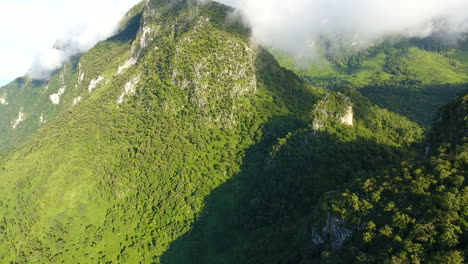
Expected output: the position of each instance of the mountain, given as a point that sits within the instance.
(139, 130)
(413, 77)
(180, 140)
(338, 195)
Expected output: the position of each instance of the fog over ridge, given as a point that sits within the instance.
(30, 28)
(90, 22)
(297, 25)
(294, 26)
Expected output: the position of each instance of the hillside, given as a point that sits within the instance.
(340, 195)
(27, 105)
(122, 171)
(179, 140)
(412, 77)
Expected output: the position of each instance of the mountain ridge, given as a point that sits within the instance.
(181, 141)
(98, 158)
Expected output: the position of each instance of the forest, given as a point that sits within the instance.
(189, 144)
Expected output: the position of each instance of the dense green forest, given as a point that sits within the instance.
(343, 195)
(412, 77)
(180, 141)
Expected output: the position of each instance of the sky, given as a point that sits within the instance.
(298, 25)
(30, 28)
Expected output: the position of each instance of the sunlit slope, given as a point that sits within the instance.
(403, 76)
(123, 172)
(181, 141)
(27, 105)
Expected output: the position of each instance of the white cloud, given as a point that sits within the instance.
(30, 28)
(46, 62)
(295, 25)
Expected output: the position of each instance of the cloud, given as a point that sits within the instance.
(297, 25)
(31, 28)
(46, 62)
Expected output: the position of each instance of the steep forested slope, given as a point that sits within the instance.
(413, 77)
(341, 195)
(277, 194)
(27, 105)
(415, 212)
(180, 141)
(123, 170)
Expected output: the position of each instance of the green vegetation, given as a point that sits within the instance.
(189, 145)
(266, 213)
(33, 98)
(410, 77)
(415, 212)
(342, 196)
(109, 182)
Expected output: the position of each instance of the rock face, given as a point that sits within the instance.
(332, 108)
(94, 83)
(129, 63)
(19, 120)
(81, 78)
(55, 98)
(145, 39)
(3, 100)
(130, 89)
(42, 119)
(230, 63)
(334, 233)
(348, 118)
(77, 100)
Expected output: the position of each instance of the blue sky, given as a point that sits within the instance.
(29, 28)
(4, 81)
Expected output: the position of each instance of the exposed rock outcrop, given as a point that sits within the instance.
(94, 83)
(129, 63)
(77, 100)
(19, 120)
(3, 100)
(333, 233)
(333, 107)
(55, 98)
(130, 89)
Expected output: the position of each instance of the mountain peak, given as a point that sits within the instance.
(180, 140)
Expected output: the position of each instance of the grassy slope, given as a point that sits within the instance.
(431, 78)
